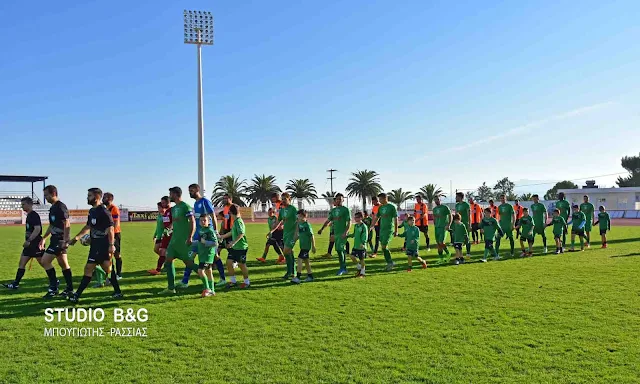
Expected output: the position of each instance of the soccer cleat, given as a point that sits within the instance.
(285, 277)
(358, 273)
(546, 250)
(98, 285)
(73, 298)
(107, 281)
(588, 245)
(221, 283)
(341, 272)
(50, 293)
(361, 276)
(244, 286)
(208, 293)
(12, 286)
(604, 245)
(117, 295)
(182, 285)
(153, 272)
(428, 249)
(572, 249)
(484, 260)
(66, 293)
(373, 255)
(558, 252)
(408, 269)
(261, 259)
(497, 257)
(389, 267)
(231, 285)
(281, 260)
(118, 277)
(424, 265)
(457, 261)
(309, 279)
(204, 293)
(295, 280)
(523, 254)
(167, 291)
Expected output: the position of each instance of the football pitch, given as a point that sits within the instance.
(550, 318)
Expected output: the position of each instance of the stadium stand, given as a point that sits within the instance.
(11, 200)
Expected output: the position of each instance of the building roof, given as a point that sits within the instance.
(21, 179)
(587, 191)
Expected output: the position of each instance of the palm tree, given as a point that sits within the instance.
(526, 196)
(329, 197)
(260, 190)
(363, 185)
(231, 185)
(302, 189)
(429, 193)
(398, 196)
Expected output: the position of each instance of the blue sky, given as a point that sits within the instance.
(103, 93)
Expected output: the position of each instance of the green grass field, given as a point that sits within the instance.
(569, 318)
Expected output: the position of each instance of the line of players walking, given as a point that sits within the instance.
(186, 233)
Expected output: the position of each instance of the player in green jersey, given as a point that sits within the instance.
(507, 222)
(559, 228)
(526, 225)
(360, 236)
(304, 233)
(578, 222)
(565, 211)
(540, 217)
(184, 227)
(403, 225)
(273, 240)
(238, 248)
(411, 235)
(464, 209)
(604, 224)
(459, 235)
(489, 226)
(442, 223)
(387, 218)
(340, 218)
(288, 220)
(207, 244)
(588, 209)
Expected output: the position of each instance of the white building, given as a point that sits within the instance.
(614, 199)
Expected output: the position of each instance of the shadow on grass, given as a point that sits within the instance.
(628, 255)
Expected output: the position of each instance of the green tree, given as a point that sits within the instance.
(512, 197)
(233, 186)
(399, 197)
(429, 193)
(363, 185)
(552, 194)
(631, 164)
(260, 189)
(303, 190)
(525, 197)
(485, 193)
(504, 186)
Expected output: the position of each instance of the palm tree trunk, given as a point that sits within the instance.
(264, 206)
(364, 204)
(299, 204)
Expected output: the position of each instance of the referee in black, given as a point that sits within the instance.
(100, 226)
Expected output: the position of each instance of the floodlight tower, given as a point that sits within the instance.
(198, 30)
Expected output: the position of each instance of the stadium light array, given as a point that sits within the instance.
(198, 27)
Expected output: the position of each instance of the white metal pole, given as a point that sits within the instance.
(201, 177)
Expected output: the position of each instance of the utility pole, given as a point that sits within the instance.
(331, 178)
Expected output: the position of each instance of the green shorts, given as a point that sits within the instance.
(208, 257)
(340, 244)
(538, 229)
(527, 238)
(441, 235)
(385, 237)
(179, 250)
(289, 240)
(588, 227)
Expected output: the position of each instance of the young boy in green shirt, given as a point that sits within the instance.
(459, 236)
(489, 226)
(578, 221)
(274, 237)
(559, 229)
(304, 233)
(604, 223)
(403, 225)
(367, 220)
(360, 237)
(526, 226)
(411, 237)
(207, 249)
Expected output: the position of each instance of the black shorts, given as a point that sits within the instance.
(579, 232)
(517, 223)
(98, 251)
(33, 250)
(204, 265)
(238, 255)
(603, 232)
(116, 241)
(304, 254)
(457, 246)
(488, 244)
(54, 247)
(359, 253)
(528, 239)
(475, 227)
(423, 228)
